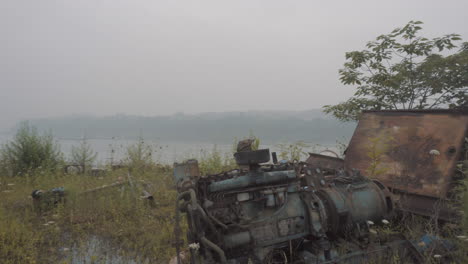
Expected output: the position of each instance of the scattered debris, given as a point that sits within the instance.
(44, 200)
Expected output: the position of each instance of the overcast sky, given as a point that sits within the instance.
(157, 57)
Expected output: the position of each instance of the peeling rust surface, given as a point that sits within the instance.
(186, 170)
(411, 151)
(324, 162)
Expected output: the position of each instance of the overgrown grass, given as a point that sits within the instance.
(214, 161)
(117, 215)
(124, 224)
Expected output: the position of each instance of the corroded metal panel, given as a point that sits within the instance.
(184, 171)
(324, 162)
(411, 151)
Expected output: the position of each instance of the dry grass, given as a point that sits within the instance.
(117, 216)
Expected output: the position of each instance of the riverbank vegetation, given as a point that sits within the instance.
(105, 215)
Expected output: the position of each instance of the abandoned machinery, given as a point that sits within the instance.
(316, 211)
(278, 213)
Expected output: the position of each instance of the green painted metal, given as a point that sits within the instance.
(263, 213)
(252, 179)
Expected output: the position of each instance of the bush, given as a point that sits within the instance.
(29, 151)
(139, 156)
(83, 155)
(212, 162)
(291, 152)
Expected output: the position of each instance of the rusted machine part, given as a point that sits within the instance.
(324, 162)
(196, 216)
(438, 209)
(261, 213)
(329, 151)
(186, 170)
(177, 228)
(348, 204)
(404, 249)
(70, 167)
(214, 247)
(44, 200)
(414, 153)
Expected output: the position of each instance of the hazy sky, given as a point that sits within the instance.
(158, 57)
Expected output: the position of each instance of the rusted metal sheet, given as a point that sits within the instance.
(186, 170)
(324, 162)
(414, 152)
(424, 205)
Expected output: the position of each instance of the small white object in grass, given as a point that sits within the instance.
(461, 237)
(385, 222)
(437, 256)
(11, 184)
(65, 249)
(372, 231)
(51, 222)
(194, 246)
(434, 152)
(369, 222)
(46, 224)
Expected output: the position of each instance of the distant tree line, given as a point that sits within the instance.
(199, 129)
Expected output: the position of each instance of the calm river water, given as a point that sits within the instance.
(164, 152)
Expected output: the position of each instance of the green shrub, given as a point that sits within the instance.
(83, 155)
(212, 162)
(29, 151)
(376, 151)
(139, 156)
(291, 152)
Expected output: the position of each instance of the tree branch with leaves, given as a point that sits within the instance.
(404, 70)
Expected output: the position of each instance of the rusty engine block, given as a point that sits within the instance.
(277, 213)
(308, 212)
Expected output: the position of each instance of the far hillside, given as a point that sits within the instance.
(270, 126)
